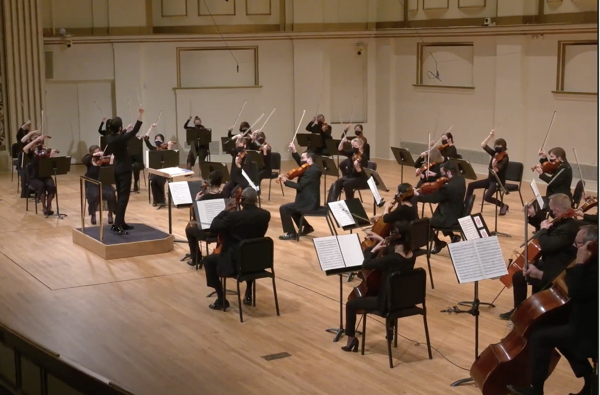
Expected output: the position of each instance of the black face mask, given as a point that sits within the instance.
(260, 140)
(444, 141)
(158, 143)
(303, 162)
(552, 160)
(357, 132)
(239, 149)
(355, 150)
(499, 149)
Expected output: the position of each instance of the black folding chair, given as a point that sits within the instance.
(421, 245)
(514, 172)
(275, 171)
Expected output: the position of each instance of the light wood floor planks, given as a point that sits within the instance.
(144, 322)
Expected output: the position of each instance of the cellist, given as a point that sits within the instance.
(578, 339)
(308, 195)
(556, 244)
(392, 254)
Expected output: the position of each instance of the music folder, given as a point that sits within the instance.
(478, 259)
(339, 254)
(349, 214)
(207, 210)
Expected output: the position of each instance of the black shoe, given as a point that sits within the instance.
(506, 316)
(118, 230)
(504, 209)
(306, 230)
(185, 257)
(110, 218)
(48, 212)
(218, 305)
(161, 205)
(587, 387)
(136, 188)
(520, 390)
(153, 204)
(353, 346)
(438, 247)
(93, 219)
(127, 227)
(248, 301)
(456, 238)
(288, 236)
(192, 263)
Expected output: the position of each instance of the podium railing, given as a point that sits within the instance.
(82, 181)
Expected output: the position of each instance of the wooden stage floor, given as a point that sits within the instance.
(145, 324)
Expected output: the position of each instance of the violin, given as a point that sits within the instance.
(548, 167)
(101, 160)
(357, 157)
(43, 152)
(237, 197)
(500, 155)
(298, 172)
(436, 185)
(443, 147)
(426, 167)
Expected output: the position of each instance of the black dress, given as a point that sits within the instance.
(91, 190)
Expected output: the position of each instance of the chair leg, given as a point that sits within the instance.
(239, 300)
(300, 225)
(270, 182)
(275, 294)
(429, 268)
(360, 195)
(254, 293)
(396, 333)
(521, 196)
(364, 334)
(224, 288)
(422, 210)
(144, 172)
(281, 185)
(389, 333)
(427, 332)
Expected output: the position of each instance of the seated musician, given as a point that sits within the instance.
(405, 211)
(577, 340)
(157, 183)
(559, 181)
(392, 254)
(358, 133)
(356, 178)
(318, 126)
(556, 244)
(24, 140)
(259, 143)
(234, 226)
(447, 148)
(308, 196)
(591, 219)
(499, 164)
(450, 200)
(433, 172)
(238, 161)
(197, 150)
(193, 233)
(93, 161)
(43, 186)
(244, 127)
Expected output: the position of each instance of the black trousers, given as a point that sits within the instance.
(367, 303)
(489, 194)
(344, 166)
(45, 189)
(23, 175)
(157, 185)
(520, 287)
(264, 173)
(289, 217)
(194, 235)
(542, 342)
(348, 184)
(211, 263)
(92, 196)
(137, 167)
(194, 153)
(123, 184)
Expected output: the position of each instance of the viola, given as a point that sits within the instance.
(43, 152)
(436, 185)
(237, 197)
(500, 155)
(548, 167)
(101, 160)
(443, 147)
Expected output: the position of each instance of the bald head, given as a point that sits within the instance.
(249, 195)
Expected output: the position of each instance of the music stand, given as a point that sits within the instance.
(227, 144)
(49, 167)
(255, 156)
(403, 157)
(328, 168)
(357, 211)
(464, 168)
(198, 137)
(135, 146)
(380, 186)
(103, 143)
(107, 175)
(499, 189)
(339, 332)
(310, 141)
(332, 149)
(161, 159)
(208, 167)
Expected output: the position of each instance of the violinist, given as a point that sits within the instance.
(498, 164)
(243, 130)
(259, 143)
(236, 226)
(591, 219)
(93, 161)
(308, 196)
(556, 244)
(431, 172)
(447, 147)
(390, 255)
(192, 231)
(356, 178)
(450, 200)
(405, 211)
(197, 150)
(44, 186)
(358, 132)
(577, 340)
(318, 126)
(238, 161)
(157, 183)
(23, 141)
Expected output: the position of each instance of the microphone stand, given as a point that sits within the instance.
(500, 189)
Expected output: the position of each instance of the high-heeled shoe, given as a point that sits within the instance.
(353, 346)
(93, 220)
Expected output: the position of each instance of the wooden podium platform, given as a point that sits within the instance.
(142, 240)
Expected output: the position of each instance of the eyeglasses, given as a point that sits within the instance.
(578, 243)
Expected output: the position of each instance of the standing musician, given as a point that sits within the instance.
(447, 148)
(197, 150)
(405, 211)
(392, 254)
(44, 186)
(93, 161)
(498, 164)
(556, 244)
(450, 200)
(117, 145)
(157, 183)
(428, 173)
(192, 231)
(238, 160)
(356, 178)
(578, 339)
(235, 226)
(318, 126)
(358, 132)
(308, 196)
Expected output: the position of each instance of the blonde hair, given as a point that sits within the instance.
(561, 201)
(360, 142)
(435, 156)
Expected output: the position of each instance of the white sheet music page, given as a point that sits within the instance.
(468, 227)
(180, 193)
(341, 213)
(466, 261)
(536, 193)
(328, 252)
(208, 210)
(351, 249)
(374, 190)
(176, 171)
(490, 255)
(249, 181)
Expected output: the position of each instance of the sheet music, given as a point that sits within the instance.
(249, 181)
(180, 193)
(176, 171)
(208, 210)
(374, 190)
(492, 261)
(468, 228)
(477, 260)
(329, 253)
(536, 193)
(351, 249)
(341, 213)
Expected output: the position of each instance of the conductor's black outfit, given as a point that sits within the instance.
(117, 145)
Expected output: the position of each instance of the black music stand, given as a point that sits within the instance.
(464, 168)
(162, 159)
(332, 149)
(107, 175)
(403, 157)
(103, 143)
(52, 167)
(357, 211)
(380, 186)
(135, 146)
(256, 156)
(328, 168)
(499, 189)
(197, 137)
(227, 144)
(208, 167)
(310, 141)
(339, 332)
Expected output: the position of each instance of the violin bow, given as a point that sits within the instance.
(97, 105)
(129, 107)
(239, 113)
(428, 152)
(318, 105)
(578, 167)
(548, 132)
(297, 128)
(269, 117)
(255, 122)
(526, 250)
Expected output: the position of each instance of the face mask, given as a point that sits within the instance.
(357, 132)
(444, 141)
(498, 149)
(239, 149)
(260, 140)
(552, 160)
(303, 162)
(158, 143)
